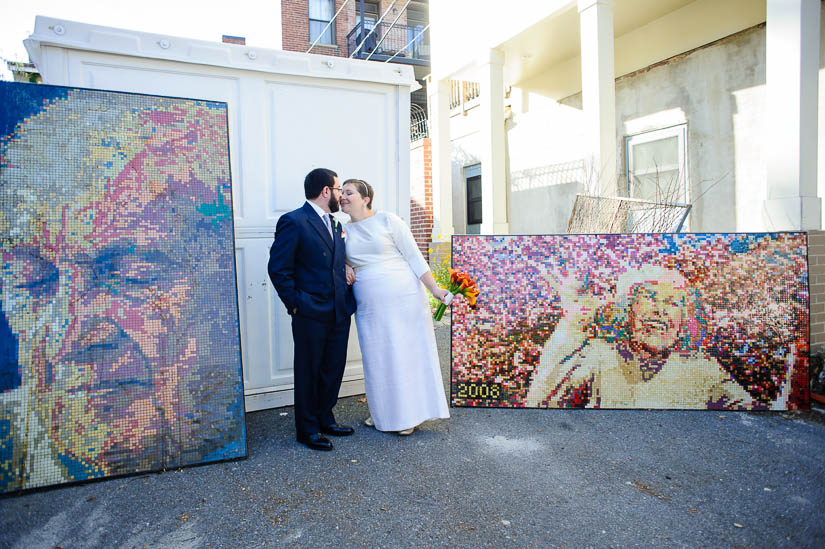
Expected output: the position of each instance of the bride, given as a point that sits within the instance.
(395, 331)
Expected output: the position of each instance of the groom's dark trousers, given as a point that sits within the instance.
(306, 266)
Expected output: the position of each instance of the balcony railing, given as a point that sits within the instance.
(419, 128)
(401, 41)
(462, 93)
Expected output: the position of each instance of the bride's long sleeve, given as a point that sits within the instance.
(405, 242)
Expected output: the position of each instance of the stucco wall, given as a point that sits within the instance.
(544, 169)
(718, 90)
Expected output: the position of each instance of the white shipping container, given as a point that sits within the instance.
(288, 113)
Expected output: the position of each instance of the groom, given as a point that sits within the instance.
(306, 266)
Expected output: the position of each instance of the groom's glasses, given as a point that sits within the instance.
(334, 188)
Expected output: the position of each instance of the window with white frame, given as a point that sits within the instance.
(320, 13)
(657, 167)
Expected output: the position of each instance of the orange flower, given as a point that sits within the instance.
(471, 295)
(460, 283)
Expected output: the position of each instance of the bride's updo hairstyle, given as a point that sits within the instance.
(363, 188)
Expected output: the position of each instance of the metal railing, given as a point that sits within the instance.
(462, 92)
(398, 42)
(419, 129)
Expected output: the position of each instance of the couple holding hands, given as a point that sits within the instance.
(323, 274)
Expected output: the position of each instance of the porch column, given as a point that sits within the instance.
(792, 72)
(493, 175)
(438, 103)
(599, 94)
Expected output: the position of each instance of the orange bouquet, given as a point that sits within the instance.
(460, 283)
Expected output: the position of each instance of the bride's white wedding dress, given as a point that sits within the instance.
(395, 330)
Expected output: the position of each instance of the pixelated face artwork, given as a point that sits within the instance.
(118, 287)
(678, 321)
(655, 315)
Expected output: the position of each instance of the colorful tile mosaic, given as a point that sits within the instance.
(119, 342)
(675, 321)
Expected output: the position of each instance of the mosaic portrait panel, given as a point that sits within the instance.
(119, 340)
(669, 321)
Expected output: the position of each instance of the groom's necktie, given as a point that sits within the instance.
(328, 224)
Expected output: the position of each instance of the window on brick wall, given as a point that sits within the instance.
(320, 14)
(370, 13)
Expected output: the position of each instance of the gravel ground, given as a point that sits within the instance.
(484, 478)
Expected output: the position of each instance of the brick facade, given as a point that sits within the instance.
(421, 193)
(816, 278)
(295, 25)
(295, 29)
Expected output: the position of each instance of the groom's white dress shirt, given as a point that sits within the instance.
(325, 217)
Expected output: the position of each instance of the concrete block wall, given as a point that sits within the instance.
(816, 277)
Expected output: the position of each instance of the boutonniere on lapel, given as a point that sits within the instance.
(338, 227)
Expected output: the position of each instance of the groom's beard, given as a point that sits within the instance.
(333, 204)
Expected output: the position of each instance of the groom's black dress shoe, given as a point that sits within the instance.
(337, 430)
(316, 441)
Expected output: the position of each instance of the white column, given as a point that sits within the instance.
(493, 175)
(792, 72)
(599, 93)
(438, 103)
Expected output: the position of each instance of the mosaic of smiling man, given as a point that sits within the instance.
(119, 341)
(680, 321)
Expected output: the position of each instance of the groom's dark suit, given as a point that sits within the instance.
(306, 267)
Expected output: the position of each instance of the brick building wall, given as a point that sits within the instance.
(816, 278)
(421, 193)
(295, 29)
(295, 25)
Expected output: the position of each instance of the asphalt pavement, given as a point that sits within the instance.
(484, 478)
